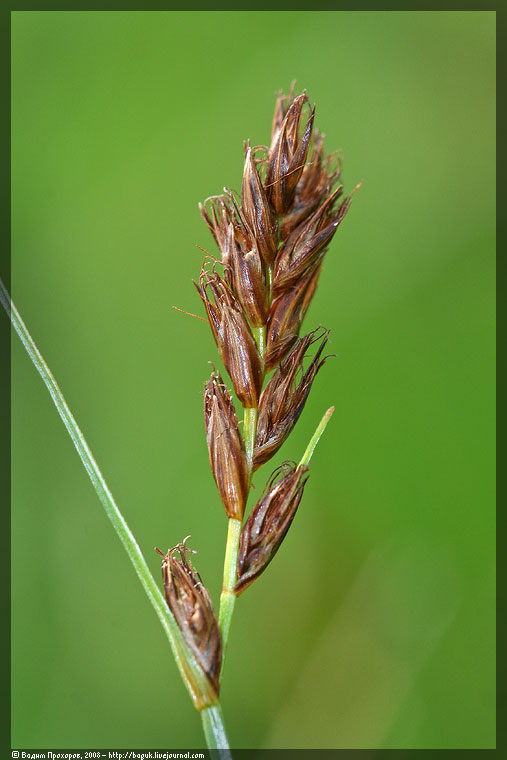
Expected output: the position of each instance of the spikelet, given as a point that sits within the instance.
(284, 397)
(189, 601)
(269, 522)
(226, 447)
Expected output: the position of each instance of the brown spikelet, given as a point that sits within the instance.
(320, 174)
(248, 280)
(244, 268)
(307, 242)
(287, 314)
(225, 447)
(233, 337)
(287, 154)
(191, 605)
(257, 209)
(284, 397)
(269, 522)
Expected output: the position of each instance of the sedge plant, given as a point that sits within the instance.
(272, 238)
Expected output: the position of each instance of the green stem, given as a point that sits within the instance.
(270, 285)
(249, 431)
(193, 677)
(315, 437)
(259, 334)
(216, 739)
(228, 597)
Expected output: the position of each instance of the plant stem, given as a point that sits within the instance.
(249, 431)
(228, 597)
(259, 334)
(270, 285)
(213, 725)
(193, 677)
(315, 437)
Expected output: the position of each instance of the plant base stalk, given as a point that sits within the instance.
(249, 431)
(214, 731)
(228, 597)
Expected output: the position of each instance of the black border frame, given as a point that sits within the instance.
(5, 332)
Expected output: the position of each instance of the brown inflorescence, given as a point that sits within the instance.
(244, 267)
(191, 605)
(269, 522)
(288, 151)
(258, 210)
(288, 311)
(225, 446)
(272, 238)
(233, 337)
(284, 397)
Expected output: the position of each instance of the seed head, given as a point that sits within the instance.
(284, 397)
(308, 241)
(320, 174)
(248, 280)
(288, 151)
(244, 268)
(233, 337)
(269, 522)
(225, 446)
(191, 605)
(257, 209)
(287, 314)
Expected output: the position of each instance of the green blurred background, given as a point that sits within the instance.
(374, 626)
